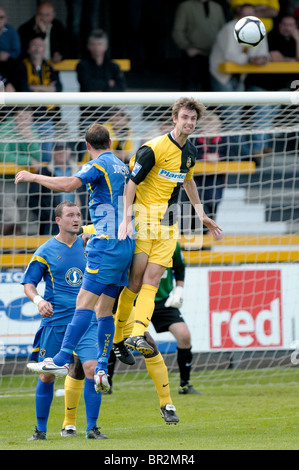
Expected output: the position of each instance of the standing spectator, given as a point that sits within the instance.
(42, 200)
(10, 49)
(45, 25)
(195, 27)
(35, 74)
(82, 17)
(18, 145)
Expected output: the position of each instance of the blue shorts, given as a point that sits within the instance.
(48, 341)
(108, 262)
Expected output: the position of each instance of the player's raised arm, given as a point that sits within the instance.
(192, 192)
(56, 183)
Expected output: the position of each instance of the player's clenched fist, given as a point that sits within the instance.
(24, 176)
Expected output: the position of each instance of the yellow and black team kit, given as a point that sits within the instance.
(159, 168)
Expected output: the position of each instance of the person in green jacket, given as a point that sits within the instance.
(19, 145)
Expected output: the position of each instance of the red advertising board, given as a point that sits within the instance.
(245, 309)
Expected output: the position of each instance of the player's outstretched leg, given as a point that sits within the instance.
(139, 343)
(123, 354)
(47, 366)
(157, 369)
(168, 413)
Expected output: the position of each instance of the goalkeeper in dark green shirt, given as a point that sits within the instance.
(167, 317)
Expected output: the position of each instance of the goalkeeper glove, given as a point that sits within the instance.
(175, 298)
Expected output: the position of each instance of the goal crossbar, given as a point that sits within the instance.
(147, 98)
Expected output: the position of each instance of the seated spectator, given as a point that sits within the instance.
(45, 25)
(121, 134)
(10, 49)
(42, 200)
(227, 49)
(19, 145)
(283, 43)
(195, 28)
(98, 73)
(35, 74)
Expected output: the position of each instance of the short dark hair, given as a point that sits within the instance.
(61, 205)
(98, 137)
(98, 34)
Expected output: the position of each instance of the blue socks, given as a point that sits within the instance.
(44, 393)
(74, 332)
(105, 339)
(92, 404)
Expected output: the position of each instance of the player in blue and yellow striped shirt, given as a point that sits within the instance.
(108, 258)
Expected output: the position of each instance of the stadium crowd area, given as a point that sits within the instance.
(162, 43)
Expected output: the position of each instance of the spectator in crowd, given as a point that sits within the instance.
(266, 10)
(211, 147)
(82, 17)
(227, 49)
(290, 8)
(195, 27)
(120, 133)
(10, 49)
(35, 74)
(98, 73)
(18, 146)
(42, 200)
(45, 25)
(283, 43)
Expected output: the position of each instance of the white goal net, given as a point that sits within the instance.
(241, 298)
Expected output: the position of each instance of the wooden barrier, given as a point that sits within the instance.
(201, 167)
(248, 249)
(271, 67)
(69, 65)
(244, 167)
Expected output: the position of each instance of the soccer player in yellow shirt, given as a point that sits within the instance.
(161, 166)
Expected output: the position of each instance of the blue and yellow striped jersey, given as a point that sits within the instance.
(61, 267)
(105, 178)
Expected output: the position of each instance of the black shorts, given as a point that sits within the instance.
(163, 316)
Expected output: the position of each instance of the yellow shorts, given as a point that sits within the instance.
(159, 243)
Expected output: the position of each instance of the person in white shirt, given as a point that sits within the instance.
(227, 49)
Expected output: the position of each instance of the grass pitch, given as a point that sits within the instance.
(225, 417)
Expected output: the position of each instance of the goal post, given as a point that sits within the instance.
(241, 296)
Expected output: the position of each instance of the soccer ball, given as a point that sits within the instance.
(249, 31)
